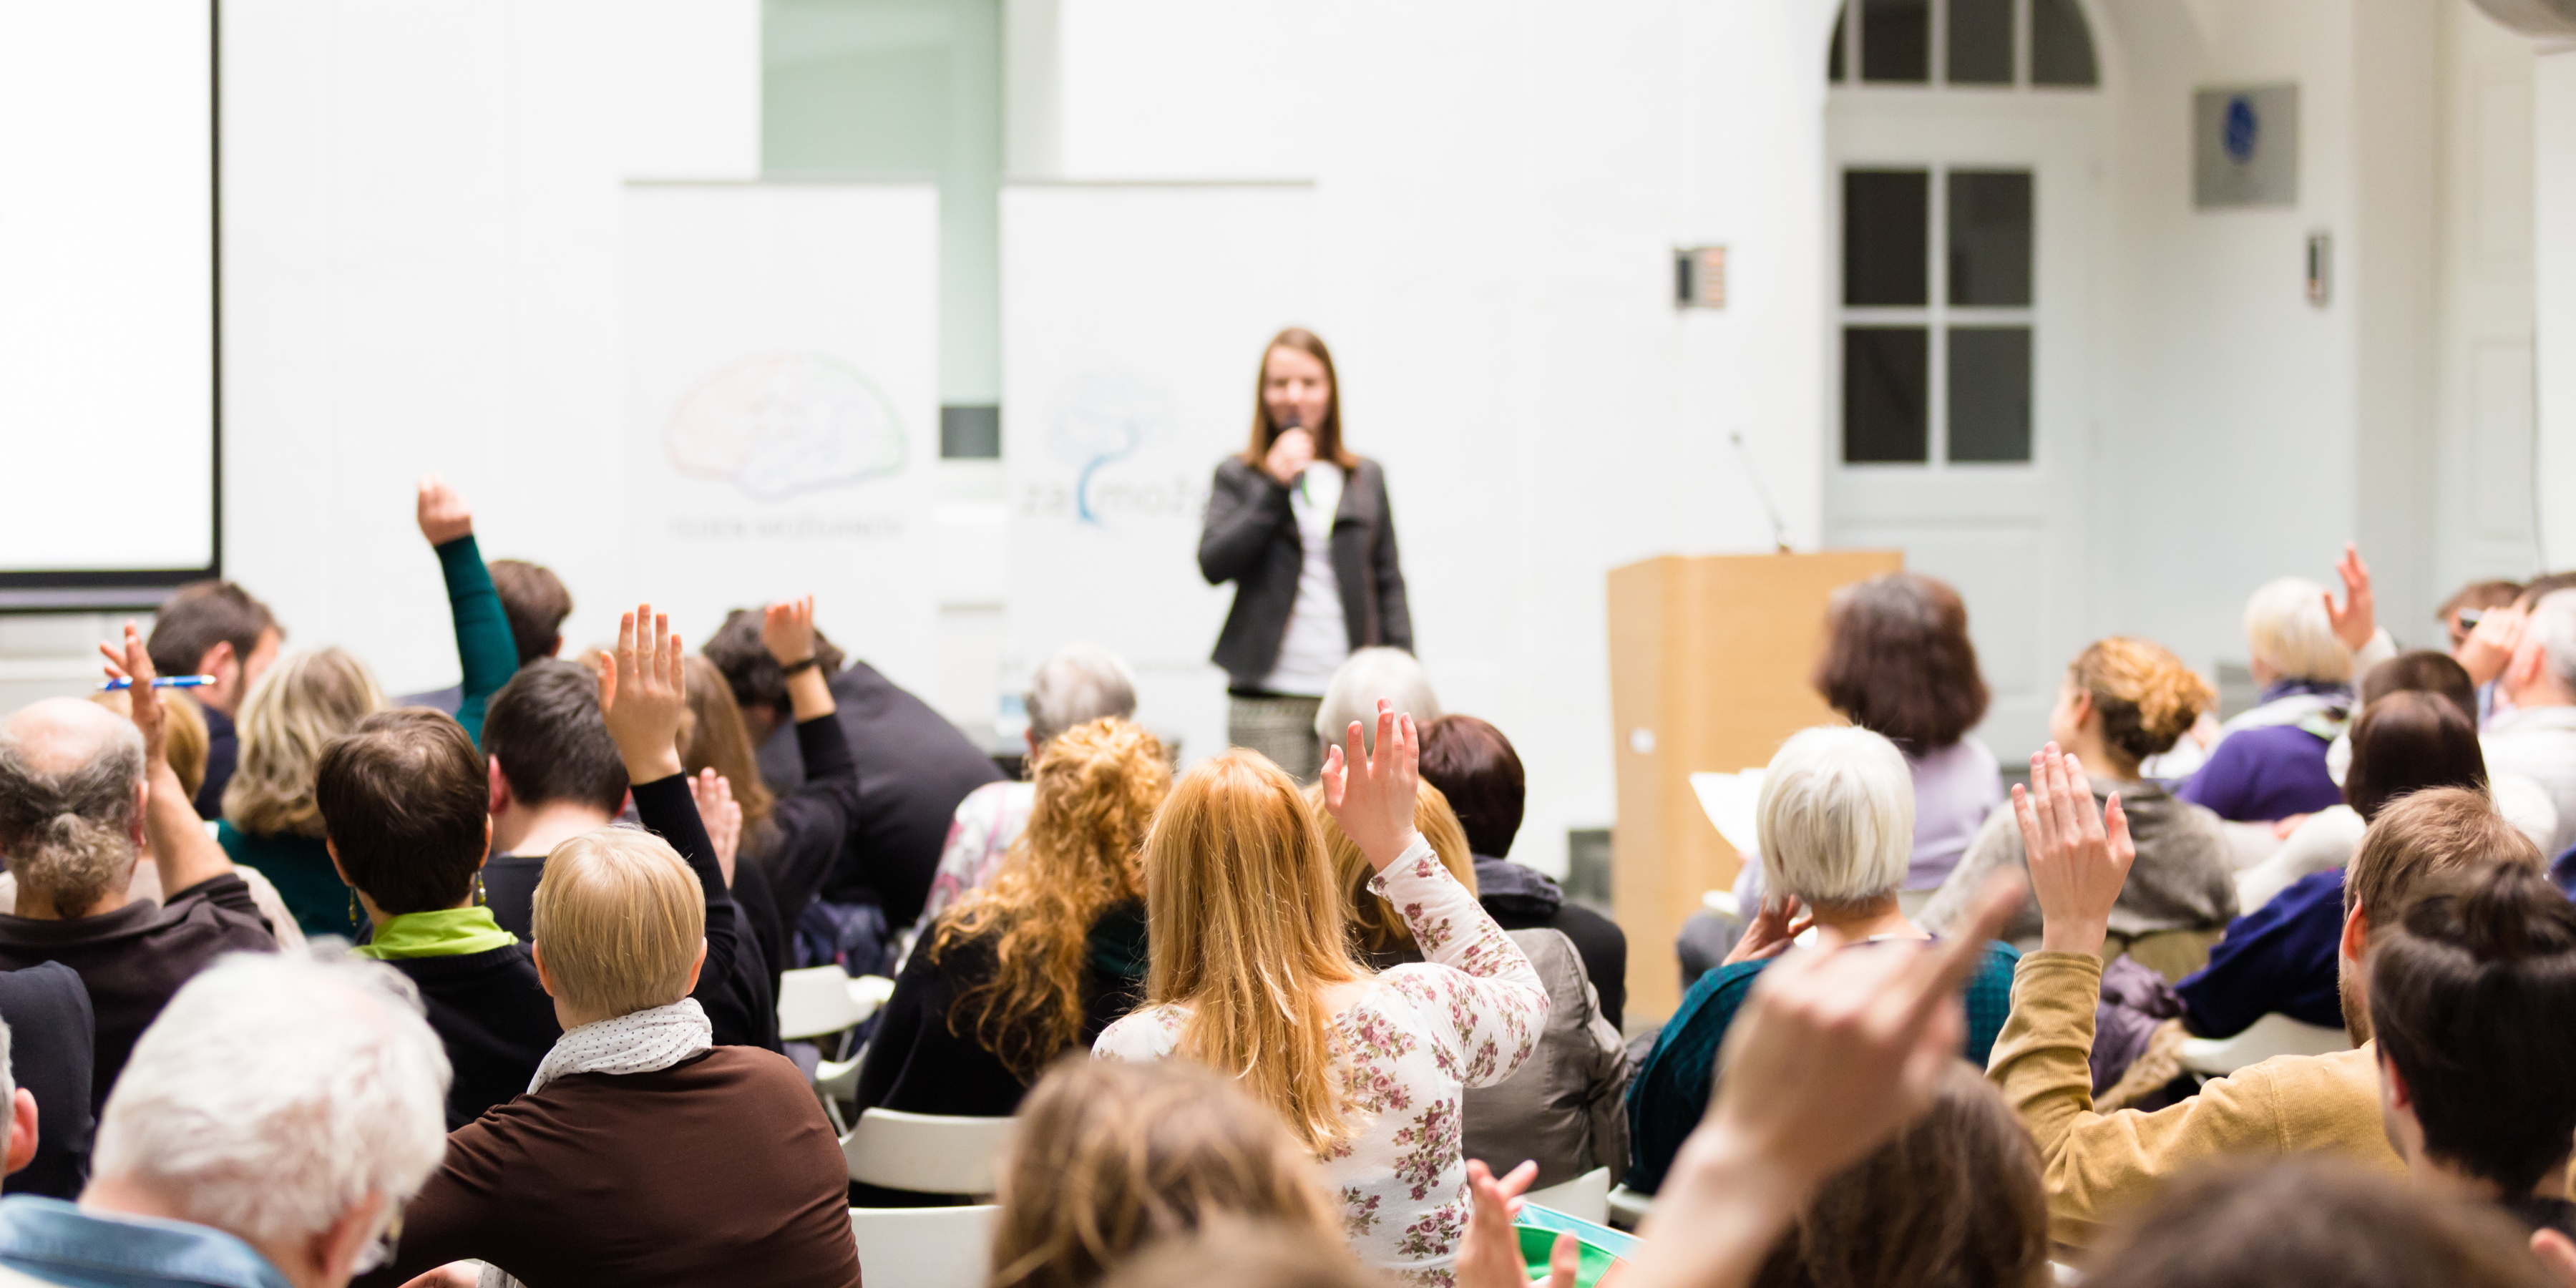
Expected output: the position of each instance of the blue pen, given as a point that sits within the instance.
(163, 682)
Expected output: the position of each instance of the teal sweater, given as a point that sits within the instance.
(484, 646)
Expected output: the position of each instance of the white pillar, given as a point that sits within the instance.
(2554, 258)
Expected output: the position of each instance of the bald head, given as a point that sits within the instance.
(71, 802)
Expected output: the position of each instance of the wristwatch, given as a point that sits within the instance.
(792, 668)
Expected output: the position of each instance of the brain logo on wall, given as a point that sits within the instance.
(778, 424)
(1100, 419)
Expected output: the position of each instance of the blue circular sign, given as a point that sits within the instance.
(2242, 129)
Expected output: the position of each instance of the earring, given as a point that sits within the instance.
(479, 899)
(354, 914)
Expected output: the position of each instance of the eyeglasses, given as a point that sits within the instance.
(379, 1254)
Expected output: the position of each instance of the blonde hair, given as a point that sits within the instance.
(1377, 929)
(183, 728)
(1247, 934)
(714, 737)
(299, 705)
(1836, 815)
(2287, 629)
(2146, 697)
(1112, 1158)
(620, 919)
(1098, 786)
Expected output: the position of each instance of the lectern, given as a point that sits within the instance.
(1710, 658)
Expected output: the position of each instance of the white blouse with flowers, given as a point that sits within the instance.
(1421, 1035)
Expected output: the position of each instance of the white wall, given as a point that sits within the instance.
(1497, 193)
(2554, 117)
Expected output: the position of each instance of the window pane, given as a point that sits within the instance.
(1834, 56)
(1885, 231)
(1981, 42)
(1884, 382)
(1896, 40)
(1990, 393)
(2061, 46)
(1990, 238)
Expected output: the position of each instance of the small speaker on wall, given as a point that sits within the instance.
(1699, 277)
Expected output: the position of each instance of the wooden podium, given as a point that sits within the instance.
(1710, 662)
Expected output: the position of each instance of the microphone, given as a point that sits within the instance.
(1779, 530)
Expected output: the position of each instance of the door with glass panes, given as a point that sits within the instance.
(1963, 150)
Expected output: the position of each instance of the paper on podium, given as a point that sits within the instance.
(1729, 801)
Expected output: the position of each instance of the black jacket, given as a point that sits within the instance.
(1250, 539)
(494, 1018)
(52, 1040)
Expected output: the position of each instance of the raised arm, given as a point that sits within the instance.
(182, 850)
(1497, 1001)
(484, 647)
(809, 824)
(1246, 509)
(642, 693)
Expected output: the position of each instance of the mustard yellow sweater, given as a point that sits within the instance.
(2099, 1165)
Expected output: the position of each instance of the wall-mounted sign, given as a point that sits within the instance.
(1699, 277)
(2245, 147)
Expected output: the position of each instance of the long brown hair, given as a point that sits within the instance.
(1328, 436)
(1098, 786)
(1112, 1158)
(716, 737)
(1247, 935)
(1954, 1201)
(1377, 929)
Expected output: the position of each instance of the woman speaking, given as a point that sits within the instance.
(1300, 525)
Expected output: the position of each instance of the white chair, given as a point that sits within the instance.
(2274, 1034)
(1628, 1208)
(822, 1000)
(1586, 1196)
(941, 1247)
(927, 1153)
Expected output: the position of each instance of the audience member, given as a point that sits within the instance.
(1563, 1109)
(215, 628)
(185, 731)
(1475, 767)
(80, 790)
(1352, 695)
(560, 768)
(534, 602)
(48, 1041)
(2471, 994)
(1898, 662)
(271, 1126)
(2310, 1221)
(2123, 701)
(1037, 961)
(1112, 1159)
(403, 795)
(1080, 684)
(2414, 747)
(792, 837)
(1835, 818)
(2282, 956)
(2270, 762)
(2534, 730)
(2460, 613)
(1251, 974)
(2098, 1163)
(270, 823)
(914, 768)
(2492, 643)
(505, 615)
(645, 1151)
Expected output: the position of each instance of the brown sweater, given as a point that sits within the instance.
(2098, 1165)
(719, 1169)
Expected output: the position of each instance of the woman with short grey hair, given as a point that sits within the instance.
(1356, 686)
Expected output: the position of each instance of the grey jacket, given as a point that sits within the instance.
(2184, 878)
(1564, 1106)
(1250, 538)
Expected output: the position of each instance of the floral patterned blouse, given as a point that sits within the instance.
(1405, 1051)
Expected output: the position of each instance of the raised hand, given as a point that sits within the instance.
(133, 663)
(2079, 857)
(1372, 795)
(1774, 928)
(2357, 619)
(443, 514)
(2491, 643)
(722, 814)
(787, 628)
(643, 694)
(1490, 1254)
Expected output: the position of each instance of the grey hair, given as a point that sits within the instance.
(1080, 684)
(70, 834)
(2553, 628)
(1370, 674)
(274, 1094)
(1836, 816)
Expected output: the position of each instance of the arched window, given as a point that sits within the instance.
(2006, 44)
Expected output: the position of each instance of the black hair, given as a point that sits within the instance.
(544, 730)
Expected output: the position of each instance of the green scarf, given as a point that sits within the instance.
(446, 932)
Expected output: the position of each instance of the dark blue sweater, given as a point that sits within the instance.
(2279, 957)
